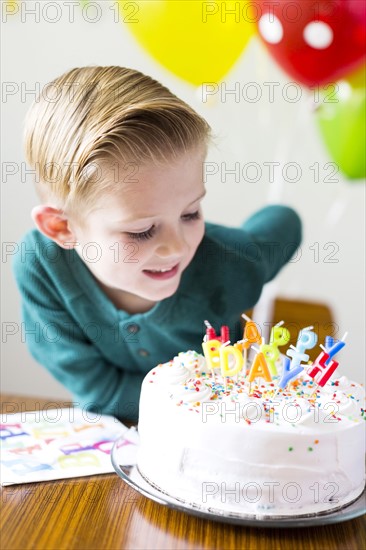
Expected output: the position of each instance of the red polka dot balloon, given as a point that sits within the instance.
(314, 41)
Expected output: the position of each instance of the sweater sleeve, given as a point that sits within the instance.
(276, 235)
(57, 342)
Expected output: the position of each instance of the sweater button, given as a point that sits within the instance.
(143, 352)
(133, 328)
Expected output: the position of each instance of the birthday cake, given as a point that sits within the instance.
(266, 437)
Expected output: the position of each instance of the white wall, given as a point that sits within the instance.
(247, 132)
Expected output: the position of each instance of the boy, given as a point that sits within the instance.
(124, 270)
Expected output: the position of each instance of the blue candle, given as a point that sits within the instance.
(306, 340)
(332, 347)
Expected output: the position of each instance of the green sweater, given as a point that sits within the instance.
(100, 353)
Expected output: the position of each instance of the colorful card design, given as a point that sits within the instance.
(57, 444)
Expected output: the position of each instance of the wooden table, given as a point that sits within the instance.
(101, 512)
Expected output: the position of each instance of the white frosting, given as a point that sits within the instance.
(298, 451)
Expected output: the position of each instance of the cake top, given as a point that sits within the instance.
(272, 389)
(186, 382)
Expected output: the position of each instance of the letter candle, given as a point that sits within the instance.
(211, 333)
(225, 333)
(212, 355)
(259, 368)
(323, 367)
(225, 352)
(230, 358)
(320, 371)
(251, 336)
(280, 336)
(306, 340)
(332, 348)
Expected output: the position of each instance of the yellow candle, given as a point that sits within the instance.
(225, 352)
(212, 355)
(259, 369)
(279, 337)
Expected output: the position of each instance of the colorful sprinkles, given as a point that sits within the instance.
(267, 394)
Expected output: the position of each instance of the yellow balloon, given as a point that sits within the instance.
(198, 41)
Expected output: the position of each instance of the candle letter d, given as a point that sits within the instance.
(225, 352)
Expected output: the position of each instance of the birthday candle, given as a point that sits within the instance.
(251, 334)
(212, 355)
(332, 348)
(322, 369)
(288, 373)
(279, 337)
(225, 334)
(210, 332)
(259, 369)
(225, 353)
(306, 340)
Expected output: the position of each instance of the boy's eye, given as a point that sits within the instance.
(151, 231)
(193, 216)
(144, 235)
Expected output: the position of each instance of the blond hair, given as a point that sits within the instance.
(90, 116)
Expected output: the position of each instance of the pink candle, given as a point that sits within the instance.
(322, 369)
(225, 334)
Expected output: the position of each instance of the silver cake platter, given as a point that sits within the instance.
(124, 462)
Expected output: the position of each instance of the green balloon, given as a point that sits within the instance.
(342, 123)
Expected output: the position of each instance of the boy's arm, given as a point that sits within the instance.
(58, 343)
(276, 232)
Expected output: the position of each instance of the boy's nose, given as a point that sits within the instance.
(172, 245)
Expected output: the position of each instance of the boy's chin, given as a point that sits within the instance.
(163, 293)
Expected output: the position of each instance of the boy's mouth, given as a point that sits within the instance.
(163, 273)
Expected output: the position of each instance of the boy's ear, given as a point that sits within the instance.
(54, 224)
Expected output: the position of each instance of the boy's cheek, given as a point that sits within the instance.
(201, 233)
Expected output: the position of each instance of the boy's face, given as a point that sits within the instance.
(146, 233)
